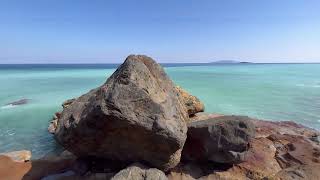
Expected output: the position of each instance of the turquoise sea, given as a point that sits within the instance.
(267, 91)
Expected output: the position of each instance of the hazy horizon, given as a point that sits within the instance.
(164, 62)
(104, 32)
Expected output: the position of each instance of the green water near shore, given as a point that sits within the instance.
(267, 91)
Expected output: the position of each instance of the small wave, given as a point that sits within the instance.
(7, 132)
(306, 85)
(8, 106)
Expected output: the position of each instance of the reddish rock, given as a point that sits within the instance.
(280, 151)
(18, 156)
(203, 116)
(301, 172)
(11, 170)
(34, 169)
(266, 128)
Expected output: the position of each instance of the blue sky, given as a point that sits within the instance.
(101, 31)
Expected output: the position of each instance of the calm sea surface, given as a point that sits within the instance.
(267, 91)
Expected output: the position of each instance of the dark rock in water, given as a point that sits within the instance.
(139, 172)
(192, 103)
(222, 139)
(19, 102)
(136, 116)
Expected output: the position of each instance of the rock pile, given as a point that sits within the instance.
(139, 115)
(139, 125)
(279, 151)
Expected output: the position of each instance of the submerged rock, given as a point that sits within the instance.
(135, 116)
(19, 102)
(139, 172)
(192, 103)
(222, 139)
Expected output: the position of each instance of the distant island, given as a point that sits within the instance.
(228, 62)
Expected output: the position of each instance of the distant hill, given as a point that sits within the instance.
(228, 62)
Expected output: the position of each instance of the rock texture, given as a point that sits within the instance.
(203, 116)
(279, 151)
(34, 169)
(135, 116)
(192, 103)
(67, 103)
(222, 139)
(139, 172)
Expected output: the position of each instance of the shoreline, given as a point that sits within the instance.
(45, 166)
(139, 125)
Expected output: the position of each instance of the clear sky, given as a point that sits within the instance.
(102, 31)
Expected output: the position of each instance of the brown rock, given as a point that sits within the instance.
(204, 116)
(34, 169)
(259, 162)
(192, 103)
(295, 150)
(301, 172)
(266, 128)
(11, 170)
(18, 156)
(135, 116)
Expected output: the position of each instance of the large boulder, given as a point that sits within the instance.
(192, 103)
(139, 172)
(136, 116)
(223, 139)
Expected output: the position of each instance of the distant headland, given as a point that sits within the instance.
(229, 62)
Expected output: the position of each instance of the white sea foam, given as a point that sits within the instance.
(8, 106)
(309, 85)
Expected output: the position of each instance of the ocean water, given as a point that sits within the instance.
(267, 91)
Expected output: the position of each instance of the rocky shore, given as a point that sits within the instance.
(139, 125)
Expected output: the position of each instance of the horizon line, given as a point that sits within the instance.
(240, 62)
